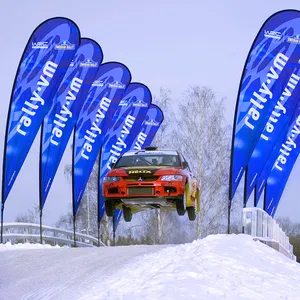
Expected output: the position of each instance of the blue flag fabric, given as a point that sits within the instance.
(46, 58)
(102, 101)
(262, 178)
(276, 184)
(282, 167)
(271, 63)
(116, 218)
(278, 121)
(144, 138)
(151, 124)
(126, 123)
(62, 116)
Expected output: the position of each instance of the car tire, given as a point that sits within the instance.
(191, 213)
(127, 214)
(181, 205)
(109, 208)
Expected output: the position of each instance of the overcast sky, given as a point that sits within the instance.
(167, 43)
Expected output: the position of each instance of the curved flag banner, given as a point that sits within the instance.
(60, 120)
(282, 167)
(126, 122)
(151, 124)
(269, 69)
(47, 55)
(278, 121)
(275, 188)
(144, 138)
(102, 101)
(262, 178)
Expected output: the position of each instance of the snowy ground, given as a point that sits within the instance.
(217, 267)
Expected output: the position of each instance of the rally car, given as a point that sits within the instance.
(151, 178)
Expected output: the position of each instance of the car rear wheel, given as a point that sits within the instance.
(109, 208)
(191, 213)
(127, 213)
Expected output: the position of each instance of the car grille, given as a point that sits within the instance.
(140, 191)
(140, 178)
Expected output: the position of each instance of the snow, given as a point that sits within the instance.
(216, 267)
(9, 246)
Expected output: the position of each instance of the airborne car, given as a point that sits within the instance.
(151, 178)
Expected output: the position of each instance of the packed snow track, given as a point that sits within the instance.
(217, 267)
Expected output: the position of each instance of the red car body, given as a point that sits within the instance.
(141, 179)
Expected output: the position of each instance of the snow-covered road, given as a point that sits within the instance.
(61, 273)
(217, 267)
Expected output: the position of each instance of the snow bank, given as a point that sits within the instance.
(8, 246)
(217, 267)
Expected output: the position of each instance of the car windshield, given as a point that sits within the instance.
(145, 160)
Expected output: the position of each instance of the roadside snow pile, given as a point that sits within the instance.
(8, 246)
(217, 267)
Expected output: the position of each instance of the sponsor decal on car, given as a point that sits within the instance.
(139, 172)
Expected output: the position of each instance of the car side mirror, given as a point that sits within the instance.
(185, 165)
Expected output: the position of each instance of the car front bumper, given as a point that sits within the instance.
(160, 189)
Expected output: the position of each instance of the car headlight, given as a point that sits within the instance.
(111, 178)
(171, 178)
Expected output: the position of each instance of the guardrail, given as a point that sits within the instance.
(30, 232)
(258, 223)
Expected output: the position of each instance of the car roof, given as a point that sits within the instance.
(150, 152)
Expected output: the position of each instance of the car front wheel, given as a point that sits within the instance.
(181, 205)
(109, 208)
